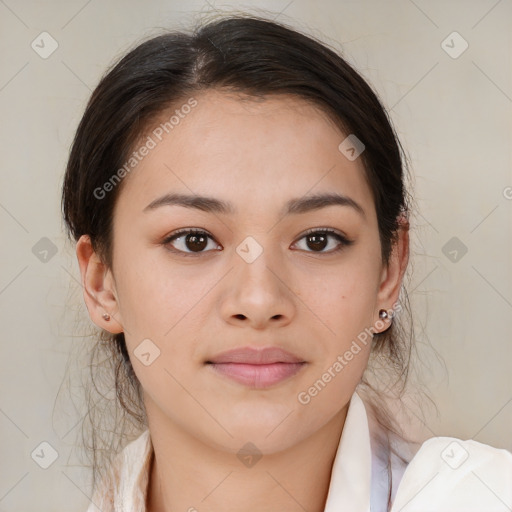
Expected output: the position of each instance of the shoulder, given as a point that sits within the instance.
(452, 474)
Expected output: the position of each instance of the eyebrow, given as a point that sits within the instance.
(293, 206)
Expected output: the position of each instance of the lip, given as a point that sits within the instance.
(250, 355)
(257, 368)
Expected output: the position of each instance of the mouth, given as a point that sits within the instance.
(257, 368)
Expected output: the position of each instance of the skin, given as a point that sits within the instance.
(310, 301)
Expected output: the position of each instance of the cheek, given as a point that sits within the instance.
(348, 296)
(151, 298)
(346, 304)
(167, 307)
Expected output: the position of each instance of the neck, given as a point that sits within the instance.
(188, 475)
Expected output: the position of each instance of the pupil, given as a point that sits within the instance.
(318, 241)
(196, 239)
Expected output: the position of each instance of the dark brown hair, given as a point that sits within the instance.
(252, 56)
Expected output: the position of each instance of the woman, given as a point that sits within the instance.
(238, 201)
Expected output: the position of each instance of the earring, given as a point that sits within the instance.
(106, 317)
(383, 314)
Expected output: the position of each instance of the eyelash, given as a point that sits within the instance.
(344, 241)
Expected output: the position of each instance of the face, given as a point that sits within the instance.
(256, 266)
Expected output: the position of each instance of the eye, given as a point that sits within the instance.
(318, 240)
(194, 239)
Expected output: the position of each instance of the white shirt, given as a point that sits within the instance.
(446, 474)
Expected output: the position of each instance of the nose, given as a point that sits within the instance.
(257, 295)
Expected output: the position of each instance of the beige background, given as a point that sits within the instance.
(454, 119)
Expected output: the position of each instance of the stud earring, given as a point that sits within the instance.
(383, 314)
(106, 317)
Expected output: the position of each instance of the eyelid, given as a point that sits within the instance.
(186, 231)
(325, 230)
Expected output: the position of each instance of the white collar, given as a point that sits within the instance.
(360, 478)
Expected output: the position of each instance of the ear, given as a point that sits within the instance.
(99, 287)
(392, 273)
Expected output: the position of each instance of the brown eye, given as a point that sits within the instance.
(317, 240)
(189, 241)
(195, 241)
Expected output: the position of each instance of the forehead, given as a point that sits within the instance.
(246, 150)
